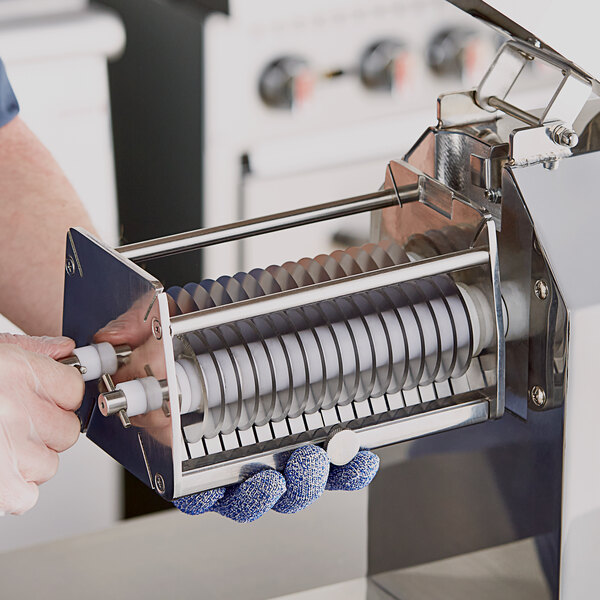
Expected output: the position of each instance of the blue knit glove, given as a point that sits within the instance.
(306, 476)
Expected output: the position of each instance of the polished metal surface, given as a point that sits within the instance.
(512, 571)
(192, 240)
(112, 402)
(468, 489)
(390, 427)
(73, 361)
(460, 413)
(103, 287)
(513, 111)
(454, 208)
(566, 218)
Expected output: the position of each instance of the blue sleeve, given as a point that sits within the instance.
(9, 107)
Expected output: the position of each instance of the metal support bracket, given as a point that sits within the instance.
(486, 172)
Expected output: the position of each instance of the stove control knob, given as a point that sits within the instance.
(286, 83)
(384, 65)
(460, 53)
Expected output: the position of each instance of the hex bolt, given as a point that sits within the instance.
(156, 328)
(551, 165)
(538, 396)
(493, 195)
(70, 266)
(564, 136)
(541, 289)
(159, 482)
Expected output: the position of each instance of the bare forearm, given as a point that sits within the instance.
(37, 206)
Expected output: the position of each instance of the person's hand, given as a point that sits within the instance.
(37, 398)
(307, 474)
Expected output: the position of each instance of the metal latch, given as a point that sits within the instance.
(547, 135)
(486, 172)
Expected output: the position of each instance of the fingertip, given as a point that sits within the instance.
(27, 499)
(57, 347)
(72, 388)
(198, 504)
(71, 434)
(53, 347)
(306, 474)
(50, 469)
(356, 475)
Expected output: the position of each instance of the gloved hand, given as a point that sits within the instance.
(306, 475)
(37, 397)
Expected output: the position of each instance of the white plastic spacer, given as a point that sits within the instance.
(89, 359)
(136, 397)
(154, 393)
(342, 447)
(108, 357)
(97, 359)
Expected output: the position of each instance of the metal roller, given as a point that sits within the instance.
(318, 356)
(295, 362)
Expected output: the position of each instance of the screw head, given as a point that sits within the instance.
(538, 396)
(493, 195)
(159, 482)
(569, 138)
(156, 328)
(541, 289)
(70, 266)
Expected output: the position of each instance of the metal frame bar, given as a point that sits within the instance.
(228, 313)
(409, 423)
(201, 238)
(497, 407)
(527, 51)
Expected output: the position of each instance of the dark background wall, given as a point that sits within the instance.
(157, 114)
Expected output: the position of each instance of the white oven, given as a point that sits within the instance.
(305, 102)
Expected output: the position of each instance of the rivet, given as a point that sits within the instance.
(159, 482)
(541, 289)
(538, 396)
(156, 328)
(70, 266)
